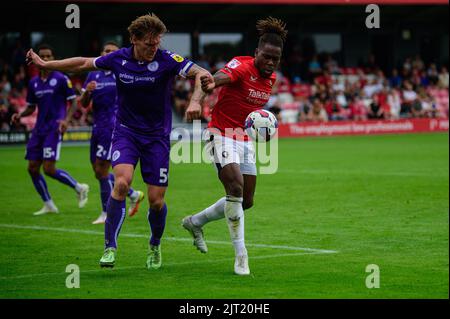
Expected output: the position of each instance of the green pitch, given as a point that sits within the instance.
(335, 206)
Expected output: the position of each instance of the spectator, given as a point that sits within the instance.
(318, 113)
(331, 65)
(372, 88)
(417, 63)
(409, 97)
(334, 110)
(375, 110)
(358, 111)
(394, 102)
(314, 67)
(395, 80)
(428, 104)
(443, 77)
(432, 74)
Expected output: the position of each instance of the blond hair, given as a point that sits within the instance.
(147, 24)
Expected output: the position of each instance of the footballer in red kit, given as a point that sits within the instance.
(246, 84)
(247, 91)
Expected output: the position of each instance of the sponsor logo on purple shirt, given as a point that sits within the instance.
(144, 88)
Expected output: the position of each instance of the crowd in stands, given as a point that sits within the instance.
(329, 92)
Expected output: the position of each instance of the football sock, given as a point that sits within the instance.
(157, 221)
(65, 178)
(234, 214)
(115, 210)
(50, 204)
(41, 187)
(106, 187)
(214, 212)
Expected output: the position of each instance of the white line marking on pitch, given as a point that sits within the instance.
(165, 265)
(92, 232)
(359, 172)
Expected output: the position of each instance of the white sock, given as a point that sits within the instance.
(134, 195)
(50, 204)
(234, 214)
(214, 212)
(78, 187)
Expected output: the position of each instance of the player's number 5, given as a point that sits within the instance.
(163, 175)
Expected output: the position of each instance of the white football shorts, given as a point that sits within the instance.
(224, 150)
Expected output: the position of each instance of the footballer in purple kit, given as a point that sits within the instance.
(100, 88)
(144, 77)
(49, 92)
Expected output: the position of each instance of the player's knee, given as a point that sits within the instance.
(247, 203)
(235, 189)
(156, 204)
(121, 187)
(33, 170)
(49, 170)
(101, 171)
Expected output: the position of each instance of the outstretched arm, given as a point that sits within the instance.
(73, 65)
(194, 110)
(219, 79)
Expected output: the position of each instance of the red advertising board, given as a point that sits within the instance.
(363, 127)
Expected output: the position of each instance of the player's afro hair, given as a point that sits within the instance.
(272, 31)
(147, 24)
(45, 46)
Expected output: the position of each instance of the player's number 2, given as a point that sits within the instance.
(163, 175)
(100, 150)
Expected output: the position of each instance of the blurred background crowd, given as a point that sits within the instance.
(333, 68)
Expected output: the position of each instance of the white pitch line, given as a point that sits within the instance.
(356, 172)
(165, 265)
(91, 232)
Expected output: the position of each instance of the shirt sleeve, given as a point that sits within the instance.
(179, 65)
(105, 62)
(31, 97)
(234, 69)
(68, 89)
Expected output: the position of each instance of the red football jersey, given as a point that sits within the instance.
(247, 92)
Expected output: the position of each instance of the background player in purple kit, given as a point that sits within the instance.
(144, 76)
(100, 88)
(50, 92)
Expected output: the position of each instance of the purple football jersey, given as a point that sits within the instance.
(144, 89)
(51, 97)
(104, 98)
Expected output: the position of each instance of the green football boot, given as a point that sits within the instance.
(154, 258)
(109, 258)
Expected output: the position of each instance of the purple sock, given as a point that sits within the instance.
(157, 222)
(65, 178)
(41, 187)
(105, 191)
(115, 211)
(130, 190)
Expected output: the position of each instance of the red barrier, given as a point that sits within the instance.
(363, 127)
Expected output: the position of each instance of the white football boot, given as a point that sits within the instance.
(241, 265)
(101, 219)
(197, 234)
(83, 195)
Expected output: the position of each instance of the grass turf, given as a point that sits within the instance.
(374, 199)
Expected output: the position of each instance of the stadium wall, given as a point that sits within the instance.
(363, 127)
(83, 134)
